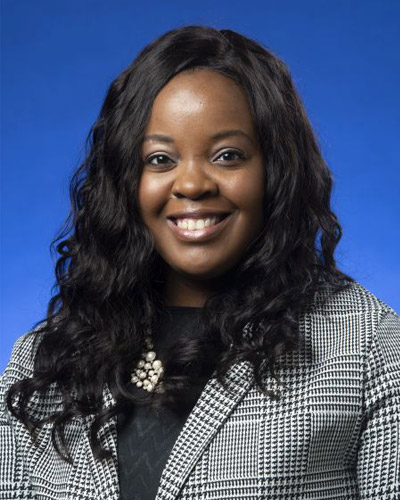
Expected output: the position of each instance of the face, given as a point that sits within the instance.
(201, 188)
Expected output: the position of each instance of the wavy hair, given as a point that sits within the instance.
(109, 277)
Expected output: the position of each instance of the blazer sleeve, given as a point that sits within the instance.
(14, 479)
(378, 466)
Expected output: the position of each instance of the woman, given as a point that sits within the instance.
(203, 343)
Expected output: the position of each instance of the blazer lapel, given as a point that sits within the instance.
(209, 414)
(104, 472)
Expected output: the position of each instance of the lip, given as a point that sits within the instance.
(203, 234)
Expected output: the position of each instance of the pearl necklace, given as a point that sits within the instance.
(148, 370)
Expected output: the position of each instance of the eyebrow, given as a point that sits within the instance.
(218, 135)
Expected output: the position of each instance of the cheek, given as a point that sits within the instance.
(152, 194)
(247, 192)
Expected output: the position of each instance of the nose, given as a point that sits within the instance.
(192, 181)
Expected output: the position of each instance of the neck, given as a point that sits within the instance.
(186, 291)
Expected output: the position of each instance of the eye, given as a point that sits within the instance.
(160, 159)
(228, 155)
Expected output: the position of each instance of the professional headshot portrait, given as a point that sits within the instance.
(196, 331)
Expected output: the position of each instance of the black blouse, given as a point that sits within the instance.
(146, 436)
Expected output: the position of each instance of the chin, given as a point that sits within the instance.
(205, 272)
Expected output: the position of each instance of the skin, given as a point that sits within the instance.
(194, 171)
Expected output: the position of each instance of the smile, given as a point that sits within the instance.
(198, 229)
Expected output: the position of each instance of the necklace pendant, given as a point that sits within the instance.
(148, 370)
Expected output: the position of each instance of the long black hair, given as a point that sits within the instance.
(109, 277)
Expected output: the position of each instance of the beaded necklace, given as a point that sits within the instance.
(149, 370)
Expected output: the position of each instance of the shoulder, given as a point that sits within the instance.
(22, 359)
(20, 368)
(349, 322)
(354, 299)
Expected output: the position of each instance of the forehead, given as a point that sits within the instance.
(201, 98)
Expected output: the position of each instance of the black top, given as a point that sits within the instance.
(146, 437)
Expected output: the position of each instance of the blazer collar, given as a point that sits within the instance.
(208, 415)
(104, 472)
(213, 407)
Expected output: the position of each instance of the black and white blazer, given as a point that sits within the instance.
(334, 433)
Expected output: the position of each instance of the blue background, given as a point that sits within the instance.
(58, 59)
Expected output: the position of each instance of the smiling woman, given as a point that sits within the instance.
(204, 203)
(202, 343)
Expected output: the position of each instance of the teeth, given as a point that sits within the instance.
(200, 224)
(192, 224)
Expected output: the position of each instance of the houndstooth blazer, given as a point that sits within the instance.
(334, 434)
